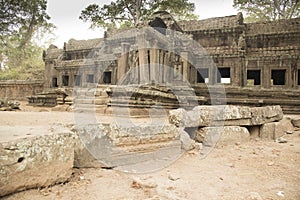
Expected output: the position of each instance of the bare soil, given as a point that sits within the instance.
(253, 170)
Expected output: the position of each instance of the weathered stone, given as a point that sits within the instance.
(274, 130)
(35, 162)
(296, 122)
(178, 117)
(143, 183)
(186, 142)
(262, 115)
(228, 115)
(130, 134)
(223, 135)
(84, 135)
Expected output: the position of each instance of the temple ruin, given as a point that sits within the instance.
(257, 63)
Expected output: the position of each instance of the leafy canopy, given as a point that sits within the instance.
(21, 22)
(268, 10)
(132, 12)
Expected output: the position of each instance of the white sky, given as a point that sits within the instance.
(65, 16)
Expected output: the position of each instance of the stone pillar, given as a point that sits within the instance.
(167, 67)
(213, 71)
(143, 59)
(185, 65)
(123, 62)
(161, 65)
(154, 63)
(193, 75)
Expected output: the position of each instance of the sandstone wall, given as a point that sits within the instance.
(20, 89)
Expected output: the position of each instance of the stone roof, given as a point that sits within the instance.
(274, 27)
(212, 23)
(53, 52)
(74, 45)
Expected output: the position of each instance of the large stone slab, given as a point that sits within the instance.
(267, 114)
(131, 134)
(83, 157)
(209, 136)
(274, 130)
(228, 115)
(126, 146)
(296, 122)
(37, 161)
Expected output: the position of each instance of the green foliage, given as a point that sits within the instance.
(268, 10)
(127, 13)
(21, 64)
(20, 23)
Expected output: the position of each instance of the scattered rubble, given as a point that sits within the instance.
(6, 105)
(35, 162)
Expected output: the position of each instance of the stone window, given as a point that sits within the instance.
(77, 80)
(202, 75)
(90, 78)
(223, 75)
(65, 80)
(298, 76)
(278, 76)
(107, 77)
(253, 77)
(54, 82)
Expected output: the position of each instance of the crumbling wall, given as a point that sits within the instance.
(19, 90)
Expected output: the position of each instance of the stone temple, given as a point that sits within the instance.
(256, 63)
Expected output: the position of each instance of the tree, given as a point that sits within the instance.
(20, 23)
(22, 17)
(132, 12)
(268, 10)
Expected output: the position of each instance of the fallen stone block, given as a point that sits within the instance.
(126, 147)
(274, 130)
(84, 135)
(227, 115)
(226, 135)
(130, 134)
(178, 117)
(34, 162)
(266, 114)
(186, 142)
(296, 122)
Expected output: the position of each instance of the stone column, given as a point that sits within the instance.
(185, 66)
(143, 59)
(154, 62)
(167, 67)
(123, 62)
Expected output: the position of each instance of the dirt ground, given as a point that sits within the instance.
(253, 170)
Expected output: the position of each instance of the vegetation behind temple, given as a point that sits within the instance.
(21, 24)
(131, 13)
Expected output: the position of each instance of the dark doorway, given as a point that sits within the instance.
(298, 76)
(202, 75)
(77, 79)
(254, 75)
(107, 77)
(223, 76)
(159, 25)
(278, 76)
(54, 82)
(90, 78)
(65, 80)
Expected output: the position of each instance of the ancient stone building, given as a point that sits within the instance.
(249, 58)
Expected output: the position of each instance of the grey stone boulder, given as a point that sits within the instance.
(178, 117)
(274, 130)
(296, 122)
(266, 114)
(226, 135)
(33, 162)
(186, 142)
(227, 115)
